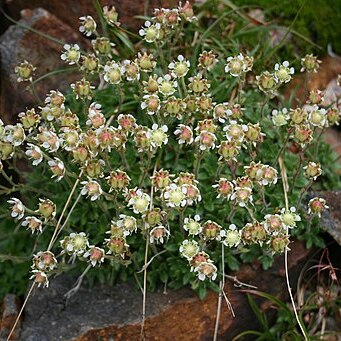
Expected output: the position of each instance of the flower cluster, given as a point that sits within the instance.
(176, 156)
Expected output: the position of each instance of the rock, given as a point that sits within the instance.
(331, 219)
(114, 313)
(8, 314)
(18, 44)
(126, 9)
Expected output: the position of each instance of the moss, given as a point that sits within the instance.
(319, 20)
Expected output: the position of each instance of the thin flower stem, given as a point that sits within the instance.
(124, 161)
(265, 102)
(279, 154)
(150, 261)
(64, 210)
(305, 189)
(142, 336)
(298, 170)
(197, 166)
(144, 300)
(8, 179)
(317, 144)
(285, 191)
(220, 297)
(144, 174)
(78, 283)
(21, 311)
(184, 86)
(238, 283)
(35, 94)
(68, 216)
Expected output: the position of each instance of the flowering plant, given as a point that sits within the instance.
(176, 163)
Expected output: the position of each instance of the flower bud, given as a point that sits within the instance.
(118, 180)
(224, 188)
(146, 62)
(298, 116)
(102, 45)
(312, 170)
(24, 71)
(207, 60)
(117, 246)
(161, 179)
(317, 206)
(279, 243)
(253, 233)
(266, 82)
(211, 230)
(159, 234)
(333, 116)
(90, 63)
(6, 150)
(153, 217)
(46, 208)
(110, 14)
(29, 119)
(310, 63)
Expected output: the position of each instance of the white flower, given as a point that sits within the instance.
(95, 255)
(71, 54)
(150, 32)
(242, 196)
(140, 202)
(283, 73)
(49, 139)
(88, 25)
(189, 248)
(91, 189)
(128, 223)
(175, 196)
(179, 68)
(40, 277)
(157, 136)
(113, 72)
(290, 217)
(206, 140)
(152, 103)
(235, 132)
(44, 261)
(95, 117)
(34, 224)
(15, 134)
(192, 226)
(18, 209)
(57, 168)
(206, 269)
(184, 134)
(75, 244)
(167, 85)
(232, 236)
(238, 64)
(317, 117)
(132, 70)
(159, 234)
(69, 138)
(280, 117)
